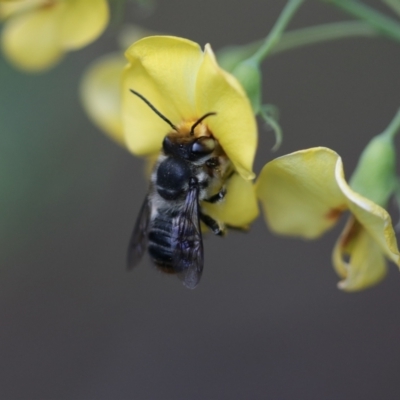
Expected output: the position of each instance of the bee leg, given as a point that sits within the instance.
(217, 197)
(212, 224)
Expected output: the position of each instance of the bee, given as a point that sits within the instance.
(192, 168)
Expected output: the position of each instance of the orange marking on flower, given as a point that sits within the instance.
(334, 213)
(48, 4)
(350, 234)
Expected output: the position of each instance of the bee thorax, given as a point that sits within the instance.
(173, 175)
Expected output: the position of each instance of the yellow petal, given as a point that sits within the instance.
(172, 64)
(11, 7)
(31, 40)
(83, 22)
(299, 192)
(234, 125)
(163, 69)
(375, 220)
(366, 264)
(101, 94)
(239, 207)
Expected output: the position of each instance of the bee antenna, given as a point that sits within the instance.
(155, 110)
(199, 121)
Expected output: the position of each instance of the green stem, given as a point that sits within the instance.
(393, 4)
(387, 26)
(233, 55)
(394, 127)
(323, 33)
(276, 32)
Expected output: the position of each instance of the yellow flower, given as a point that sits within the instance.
(101, 94)
(100, 88)
(184, 83)
(37, 33)
(305, 192)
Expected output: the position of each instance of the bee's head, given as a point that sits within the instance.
(183, 143)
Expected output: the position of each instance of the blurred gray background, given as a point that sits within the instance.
(267, 321)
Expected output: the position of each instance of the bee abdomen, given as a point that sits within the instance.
(160, 246)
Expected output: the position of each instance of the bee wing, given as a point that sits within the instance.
(139, 238)
(188, 256)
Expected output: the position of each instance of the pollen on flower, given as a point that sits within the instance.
(193, 128)
(185, 127)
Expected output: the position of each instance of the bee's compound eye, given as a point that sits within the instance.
(167, 145)
(203, 145)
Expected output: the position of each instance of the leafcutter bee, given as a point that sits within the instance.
(192, 168)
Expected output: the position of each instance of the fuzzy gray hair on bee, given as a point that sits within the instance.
(190, 169)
